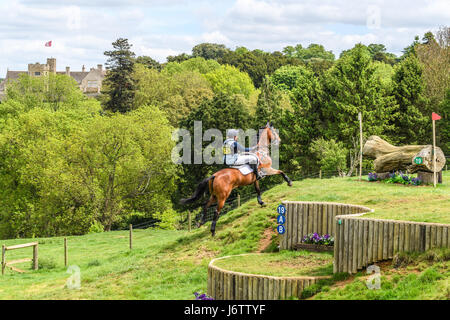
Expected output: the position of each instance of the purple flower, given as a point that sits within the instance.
(202, 296)
(372, 176)
(315, 238)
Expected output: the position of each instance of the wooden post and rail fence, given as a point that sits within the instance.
(20, 246)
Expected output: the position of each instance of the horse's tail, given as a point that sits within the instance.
(201, 188)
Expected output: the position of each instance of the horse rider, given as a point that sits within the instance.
(231, 149)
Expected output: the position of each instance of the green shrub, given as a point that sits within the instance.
(96, 227)
(93, 263)
(46, 263)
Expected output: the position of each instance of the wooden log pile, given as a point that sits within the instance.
(412, 158)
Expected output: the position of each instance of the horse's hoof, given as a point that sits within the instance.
(213, 234)
(262, 204)
(290, 183)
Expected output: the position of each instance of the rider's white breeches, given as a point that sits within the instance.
(243, 159)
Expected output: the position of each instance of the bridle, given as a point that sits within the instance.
(275, 141)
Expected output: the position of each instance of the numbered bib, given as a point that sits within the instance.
(226, 149)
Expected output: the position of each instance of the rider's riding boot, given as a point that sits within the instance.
(255, 170)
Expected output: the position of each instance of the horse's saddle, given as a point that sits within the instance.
(244, 169)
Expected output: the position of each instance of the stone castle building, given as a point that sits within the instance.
(90, 82)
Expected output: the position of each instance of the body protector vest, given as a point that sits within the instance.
(229, 151)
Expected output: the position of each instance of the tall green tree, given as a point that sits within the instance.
(175, 94)
(209, 50)
(179, 58)
(351, 87)
(221, 112)
(257, 64)
(300, 123)
(378, 53)
(312, 51)
(411, 118)
(443, 125)
(55, 91)
(149, 62)
(119, 84)
(229, 80)
(61, 172)
(197, 64)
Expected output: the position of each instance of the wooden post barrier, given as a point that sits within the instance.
(131, 236)
(20, 246)
(3, 259)
(304, 217)
(190, 221)
(230, 285)
(65, 252)
(238, 200)
(385, 239)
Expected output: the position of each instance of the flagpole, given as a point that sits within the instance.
(434, 153)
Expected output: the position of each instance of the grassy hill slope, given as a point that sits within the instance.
(173, 264)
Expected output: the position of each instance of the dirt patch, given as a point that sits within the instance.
(203, 252)
(266, 239)
(198, 255)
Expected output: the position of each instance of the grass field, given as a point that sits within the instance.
(173, 264)
(282, 264)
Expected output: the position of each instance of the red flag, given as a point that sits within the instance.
(435, 116)
(48, 44)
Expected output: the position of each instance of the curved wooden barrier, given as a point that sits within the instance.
(359, 241)
(231, 285)
(303, 217)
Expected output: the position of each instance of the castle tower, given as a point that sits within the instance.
(51, 62)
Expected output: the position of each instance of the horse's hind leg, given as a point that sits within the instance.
(220, 204)
(205, 210)
(258, 193)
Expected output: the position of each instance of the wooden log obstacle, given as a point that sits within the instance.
(390, 158)
(19, 246)
(304, 217)
(230, 285)
(359, 241)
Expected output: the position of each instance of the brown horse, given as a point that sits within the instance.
(222, 182)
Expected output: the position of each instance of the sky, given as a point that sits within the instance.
(82, 30)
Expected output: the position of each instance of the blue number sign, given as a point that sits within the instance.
(281, 219)
(281, 209)
(281, 229)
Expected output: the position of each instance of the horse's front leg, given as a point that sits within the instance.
(271, 171)
(258, 193)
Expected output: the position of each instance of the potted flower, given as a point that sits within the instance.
(315, 242)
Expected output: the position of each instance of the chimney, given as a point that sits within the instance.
(68, 71)
(100, 67)
(83, 68)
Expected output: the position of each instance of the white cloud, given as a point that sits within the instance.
(82, 30)
(337, 24)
